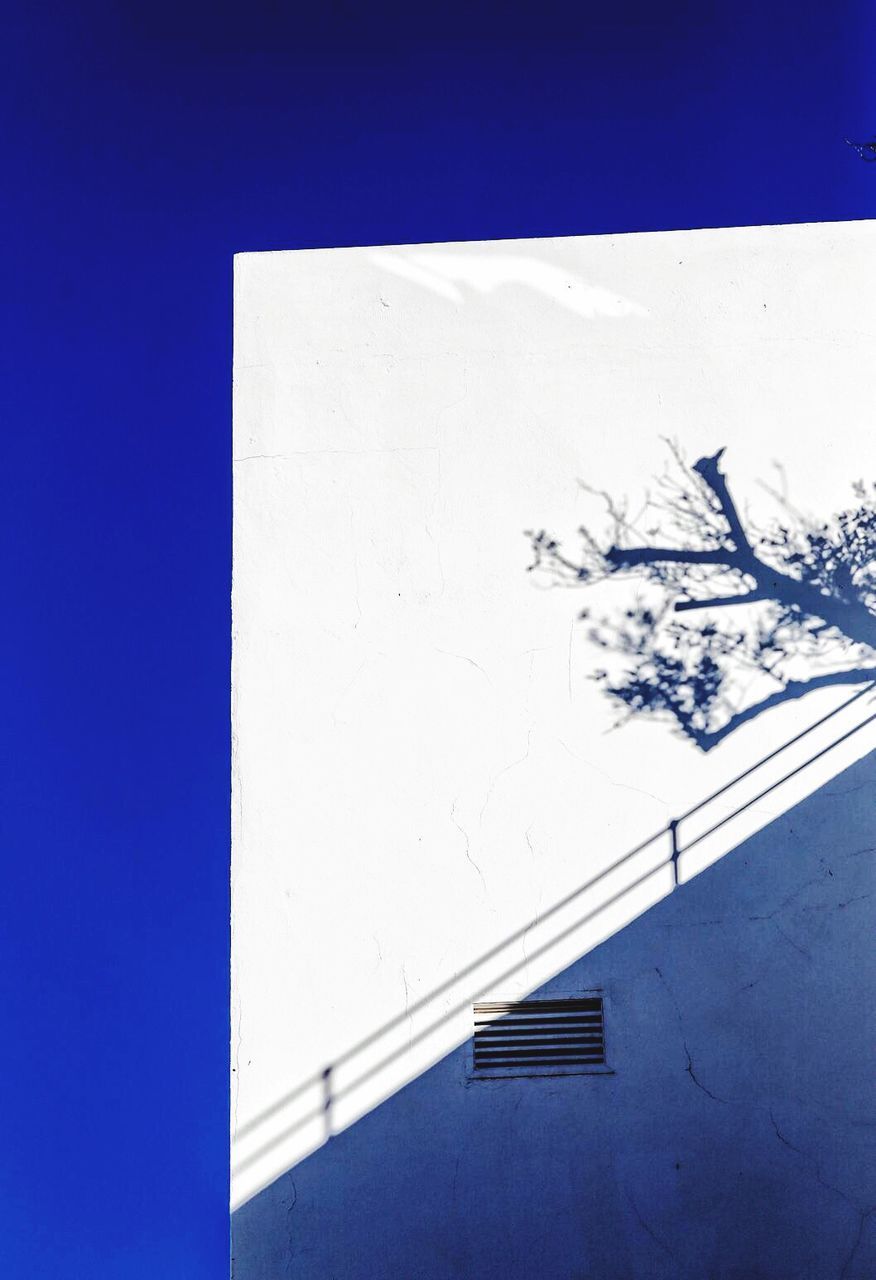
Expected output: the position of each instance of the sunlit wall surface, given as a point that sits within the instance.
(433, 799)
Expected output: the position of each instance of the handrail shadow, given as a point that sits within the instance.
(670, 832)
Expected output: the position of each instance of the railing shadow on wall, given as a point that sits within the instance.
(256, 1143)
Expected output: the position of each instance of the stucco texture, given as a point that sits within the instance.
(736, 1139)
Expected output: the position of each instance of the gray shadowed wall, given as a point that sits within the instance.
(735, 1141)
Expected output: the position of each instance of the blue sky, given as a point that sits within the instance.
(142, 146)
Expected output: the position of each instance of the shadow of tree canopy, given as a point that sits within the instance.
(721, 620)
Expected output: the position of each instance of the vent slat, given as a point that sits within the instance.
(534, 1065)
(500, 1042)
(593, 1004)
(515, 1015)
(548, 1024)
(492, 1056)
(536, 1028)
(538, 1036)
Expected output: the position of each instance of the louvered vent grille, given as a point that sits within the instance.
(539, 1037)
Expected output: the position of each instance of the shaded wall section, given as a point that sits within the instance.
(736, 1139)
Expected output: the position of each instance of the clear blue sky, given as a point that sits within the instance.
(142, 145)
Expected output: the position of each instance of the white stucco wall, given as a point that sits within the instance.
(421, 763)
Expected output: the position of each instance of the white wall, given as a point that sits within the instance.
(421, 764)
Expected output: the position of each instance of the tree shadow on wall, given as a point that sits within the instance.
(722, 620)
(735, 1138)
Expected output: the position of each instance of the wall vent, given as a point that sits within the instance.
(539, 1037)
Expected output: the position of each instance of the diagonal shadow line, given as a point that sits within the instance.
(773, 786)
(401, 1018)
(778, 751)
(453, 981)
(388, 1059)
(446, 1016)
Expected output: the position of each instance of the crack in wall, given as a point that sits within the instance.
(863, 1211)
(690, 1071)
(464, 835)
(835, 906)
(290, 1245)
(646, 1228)
(865, 1214)
(463, 658)
(624, 786)
(793, 896)
(536, 921)
(503, 771)
(690, 1067)
(781, 1136)
(404, 978)
(790, 940)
